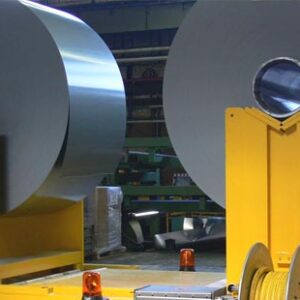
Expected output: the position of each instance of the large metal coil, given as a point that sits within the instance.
(228, 54)
(62, 108)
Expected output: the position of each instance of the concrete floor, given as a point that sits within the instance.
(206, 261)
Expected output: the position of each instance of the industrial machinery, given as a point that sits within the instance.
(241, 52)
(71, 135)
(62, 130)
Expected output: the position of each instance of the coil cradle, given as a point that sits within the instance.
(276, 92)
(261, 143)
(259, 281)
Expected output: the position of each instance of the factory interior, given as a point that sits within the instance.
(149, 150)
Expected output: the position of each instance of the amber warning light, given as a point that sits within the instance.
(91, 285)
(187, 260)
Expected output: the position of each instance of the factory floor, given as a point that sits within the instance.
(211, 260)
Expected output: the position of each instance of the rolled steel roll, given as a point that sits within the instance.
(215, 56)
(62, 114)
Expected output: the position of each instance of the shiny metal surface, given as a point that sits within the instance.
(97, 106)
(207, 231)
(277, 87)
(96, 94)
(212, 68)
(74, 106)
(258, 256)
(192, 223)
(34, 106)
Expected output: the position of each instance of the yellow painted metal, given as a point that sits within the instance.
(116, 284)
(132, 279)
(37, 242)
(10, 268)
(262, 186)
(40, 205)
(55, 293)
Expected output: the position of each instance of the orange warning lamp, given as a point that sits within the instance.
(187, 260)
(91, 285)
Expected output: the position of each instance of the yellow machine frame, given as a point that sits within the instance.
(31, 243)
(41, 242)
(262, 187)
(262, 193)
(65, 292)
(34, 244)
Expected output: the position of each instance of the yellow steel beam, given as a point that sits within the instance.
(43, 261)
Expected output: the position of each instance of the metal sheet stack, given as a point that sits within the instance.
(62, 114)
(216, 53)
(107, 220)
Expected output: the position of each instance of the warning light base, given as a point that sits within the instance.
(94, 298)
(187, 269)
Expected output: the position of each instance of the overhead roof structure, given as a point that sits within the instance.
(58, 3)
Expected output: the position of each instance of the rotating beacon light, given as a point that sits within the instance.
(187, 260)
(91, 286)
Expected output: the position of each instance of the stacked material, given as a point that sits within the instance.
(107, 220)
